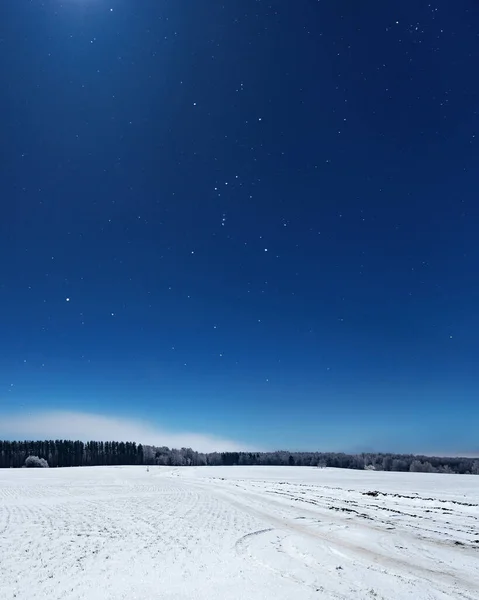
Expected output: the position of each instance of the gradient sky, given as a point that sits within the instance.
(241, 224)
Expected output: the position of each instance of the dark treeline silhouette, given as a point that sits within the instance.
(67, 453)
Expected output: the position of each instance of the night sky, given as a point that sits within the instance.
(241, 223)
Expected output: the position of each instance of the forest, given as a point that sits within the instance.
(68, 453)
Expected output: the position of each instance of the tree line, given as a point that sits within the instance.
(372, 461)
(67, 453)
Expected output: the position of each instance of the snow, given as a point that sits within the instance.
(224, 533)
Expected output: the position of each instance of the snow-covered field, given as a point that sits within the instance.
(223, 533)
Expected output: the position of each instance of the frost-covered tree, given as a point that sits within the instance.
(35, 461)
(418, 466)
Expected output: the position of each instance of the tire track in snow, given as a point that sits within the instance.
(243, 540)
(441, 579)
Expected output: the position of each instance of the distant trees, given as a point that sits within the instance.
(67, 453)
(399, 464)
(418, 466)
(36, 462)
(371, 461)
(387, 463)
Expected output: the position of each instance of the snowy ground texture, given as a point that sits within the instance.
(224, 533)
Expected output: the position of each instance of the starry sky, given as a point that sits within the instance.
(241, 223)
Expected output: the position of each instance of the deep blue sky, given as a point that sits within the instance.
(247, 219)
